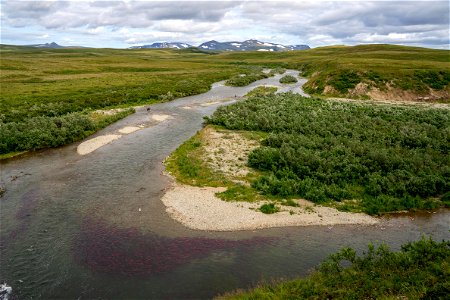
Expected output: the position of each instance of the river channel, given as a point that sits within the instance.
(93, 226)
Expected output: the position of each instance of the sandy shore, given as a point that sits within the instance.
(95, 143)
(199, 208)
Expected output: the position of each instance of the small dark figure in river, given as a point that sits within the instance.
(148, 108)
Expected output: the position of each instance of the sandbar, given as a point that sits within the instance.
(129, 129)
(160, 118)
(95, 143)
(200, 209)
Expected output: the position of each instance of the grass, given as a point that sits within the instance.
(187, 166)
(12, 154)
(420, 270)
(379, 66)
(56, 82)
(261, 91)
(386, 157)
(239, 192)
(53, 82)
(269, 208)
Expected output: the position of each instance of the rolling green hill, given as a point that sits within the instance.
(381, 72)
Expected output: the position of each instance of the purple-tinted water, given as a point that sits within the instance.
(93, 226)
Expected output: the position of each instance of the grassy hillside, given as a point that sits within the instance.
(50, 82)
(420, 270)
(36, 82)
(48, 96)
(387, 72)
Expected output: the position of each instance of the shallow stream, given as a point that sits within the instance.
(93, 226)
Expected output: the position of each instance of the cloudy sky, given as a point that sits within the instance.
(122, 24)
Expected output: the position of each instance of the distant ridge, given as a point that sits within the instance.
(248, 45)
(46, 45)
(175, 45)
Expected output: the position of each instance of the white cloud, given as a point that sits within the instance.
(316, 23)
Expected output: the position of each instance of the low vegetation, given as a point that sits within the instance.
(262, 91)
(269, 208)
(245, 79)
(192, 165)
(277, 70)
(387, 72)
(45, 132)
(385, 157)
(187, 166)
(288, 79)
(420, 270)
(52, 83)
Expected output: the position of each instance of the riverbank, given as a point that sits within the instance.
(199, 208)
(213, 193)
(242, 158)
(418, 271)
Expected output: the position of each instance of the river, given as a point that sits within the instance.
(93, 226)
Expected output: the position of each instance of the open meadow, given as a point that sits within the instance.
(41, 86)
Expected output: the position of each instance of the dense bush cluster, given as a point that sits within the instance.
(389, 157)
(245, 79)
(418, 271)
(45, 132)
(288, 79)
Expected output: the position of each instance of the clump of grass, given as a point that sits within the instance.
(239, 192)
(288, 79)
(290, 202)
(269, 208)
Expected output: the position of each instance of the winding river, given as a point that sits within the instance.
(93, 226)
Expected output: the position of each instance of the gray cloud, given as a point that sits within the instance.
(316, 22)
(136, 14)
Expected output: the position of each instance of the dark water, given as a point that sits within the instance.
(93, 226)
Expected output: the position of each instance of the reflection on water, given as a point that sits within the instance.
(93, 226)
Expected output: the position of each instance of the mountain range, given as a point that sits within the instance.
(47, 45)
(175, 45)
(248, 45)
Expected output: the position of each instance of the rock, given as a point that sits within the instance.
(5, 291)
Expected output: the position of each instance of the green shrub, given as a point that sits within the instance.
(261, 91)
(269, 208)
(245, 79)
(278, 70)
(46, 132)
(345, 80)
(420, 270)
(288, 79)
(389, 157)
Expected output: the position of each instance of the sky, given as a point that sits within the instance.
(122, 24)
